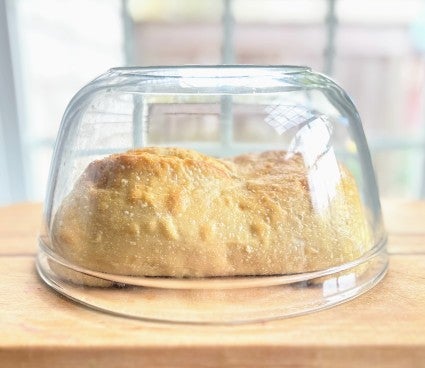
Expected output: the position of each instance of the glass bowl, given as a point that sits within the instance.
(211, 195)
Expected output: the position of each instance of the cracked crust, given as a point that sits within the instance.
(176, 212)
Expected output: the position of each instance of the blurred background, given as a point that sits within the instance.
(374, 49)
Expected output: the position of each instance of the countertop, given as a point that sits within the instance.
(385, 327)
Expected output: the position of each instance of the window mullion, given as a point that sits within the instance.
(12, 149)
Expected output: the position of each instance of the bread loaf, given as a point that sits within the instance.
(175, 212)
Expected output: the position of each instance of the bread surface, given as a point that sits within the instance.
(175, 212)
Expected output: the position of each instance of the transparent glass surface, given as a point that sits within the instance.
(213, 194)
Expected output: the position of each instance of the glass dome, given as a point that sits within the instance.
(211, 194)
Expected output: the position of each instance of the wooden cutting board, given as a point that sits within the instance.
(385, 327)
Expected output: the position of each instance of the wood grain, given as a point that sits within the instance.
(384, 327)
(19, 226)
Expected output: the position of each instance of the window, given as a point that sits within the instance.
(373, 49)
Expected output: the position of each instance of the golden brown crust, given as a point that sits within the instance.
(176, 212)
